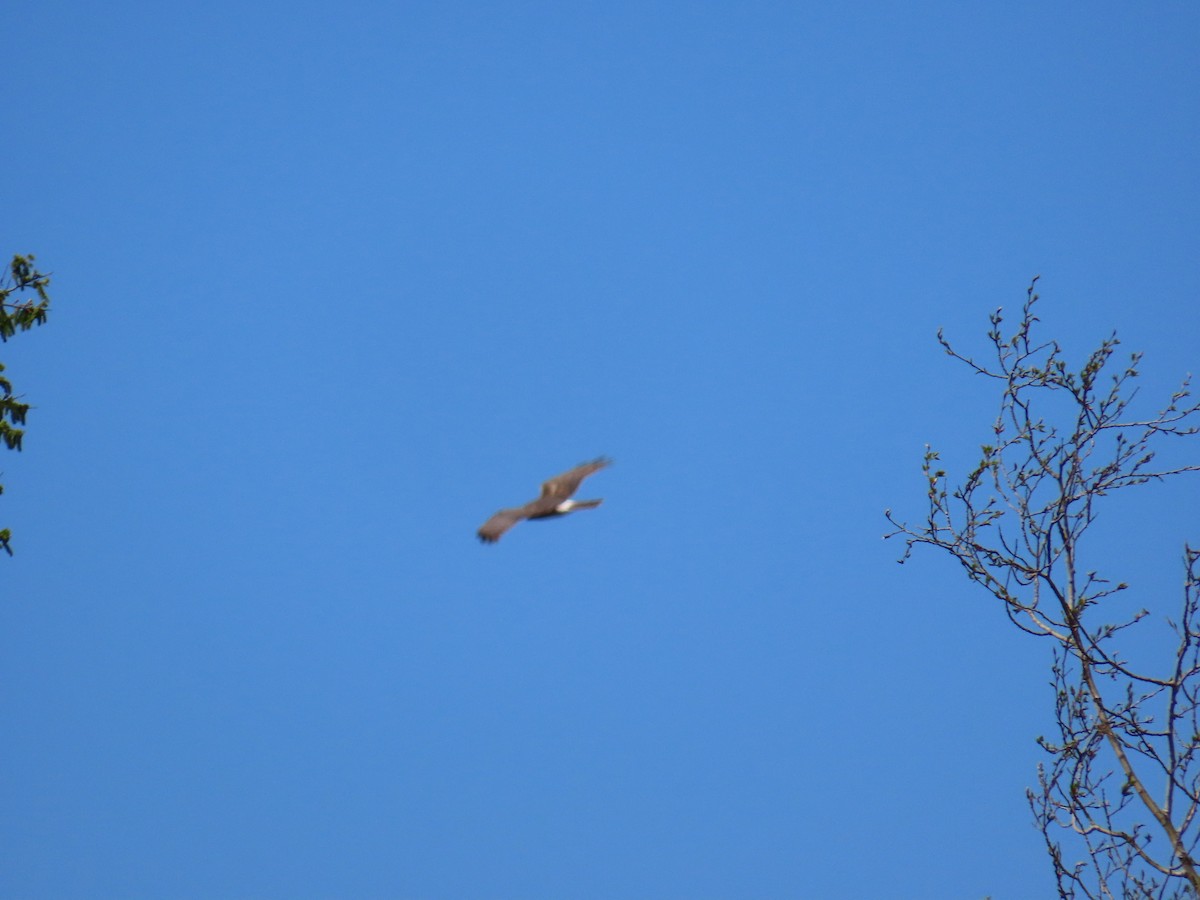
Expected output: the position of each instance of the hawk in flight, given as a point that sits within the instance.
(554, 501)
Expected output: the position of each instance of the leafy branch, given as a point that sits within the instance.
(18, 312)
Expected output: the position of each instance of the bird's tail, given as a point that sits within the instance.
(585, 504)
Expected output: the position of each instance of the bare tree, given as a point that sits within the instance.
(18, 312)
(1118, 801)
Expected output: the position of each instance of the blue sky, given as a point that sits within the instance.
(331, 286)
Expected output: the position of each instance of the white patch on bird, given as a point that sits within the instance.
(565, 507)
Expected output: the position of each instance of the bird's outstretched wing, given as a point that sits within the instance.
(567, 483)
(490, 531)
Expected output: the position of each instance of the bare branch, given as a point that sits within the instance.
(1015, 525)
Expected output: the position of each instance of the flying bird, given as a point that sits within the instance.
(554, 501)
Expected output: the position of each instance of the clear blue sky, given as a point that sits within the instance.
(332, 284)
